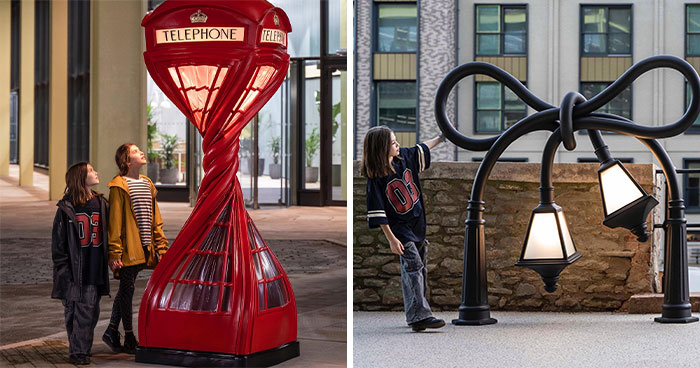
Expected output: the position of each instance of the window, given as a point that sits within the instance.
(42, 16)
(691, 184)
(497, 107)
(503, 159)
(501, 30)
(606, 30)
(593, 160)
(78, 81)
(396, 105)
(692, 30)
(397, 28)
(621, 105)
(696, 125)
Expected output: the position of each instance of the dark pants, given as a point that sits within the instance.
(82, 312)
(121, 309)
(414, 279)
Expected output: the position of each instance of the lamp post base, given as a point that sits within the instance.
(676, 313)
(474, 316)
(690, 319)
(186, 358)
(474, 322)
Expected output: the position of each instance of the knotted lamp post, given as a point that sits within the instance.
(548, 246)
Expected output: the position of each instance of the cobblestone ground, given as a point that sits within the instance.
(46, 353)
(28, 260)
(26, 274)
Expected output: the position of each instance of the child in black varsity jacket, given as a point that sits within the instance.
(395, 203)
(79, 253)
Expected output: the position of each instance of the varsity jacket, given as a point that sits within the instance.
(66, 253)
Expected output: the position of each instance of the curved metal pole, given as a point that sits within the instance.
(550, 149)
(474, 309)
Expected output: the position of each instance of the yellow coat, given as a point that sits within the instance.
(124, 236)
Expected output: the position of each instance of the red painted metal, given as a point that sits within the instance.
(219, 288)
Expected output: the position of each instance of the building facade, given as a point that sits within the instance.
(552, 47)
(78, 88)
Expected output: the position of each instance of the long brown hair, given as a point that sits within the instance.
(122, 158)
(76, 189)
(375, 153)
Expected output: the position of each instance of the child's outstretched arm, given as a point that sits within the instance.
(434, 142)
(394, 243)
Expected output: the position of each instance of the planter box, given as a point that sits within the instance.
(275, 171)
(168, 176)
(311, 174)
(152, 171)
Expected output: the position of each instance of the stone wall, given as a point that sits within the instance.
(614, 265)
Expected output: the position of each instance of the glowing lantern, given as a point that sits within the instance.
(219, 297)
(625, 203)
(548, 246)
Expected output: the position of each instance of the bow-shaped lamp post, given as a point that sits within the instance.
(548, 246)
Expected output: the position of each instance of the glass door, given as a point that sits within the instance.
(334, 134)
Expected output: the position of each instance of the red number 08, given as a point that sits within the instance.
(402, 193)
(84, 222)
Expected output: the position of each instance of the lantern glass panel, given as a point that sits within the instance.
(543, 240)
(618, 188)
(568, 242)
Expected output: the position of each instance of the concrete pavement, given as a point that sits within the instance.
(310, 243)
(382, 339)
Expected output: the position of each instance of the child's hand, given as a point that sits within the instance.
(396, 246)
(115, 264)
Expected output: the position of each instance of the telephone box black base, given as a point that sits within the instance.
(187, 358)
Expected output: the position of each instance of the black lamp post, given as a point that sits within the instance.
(574, 114)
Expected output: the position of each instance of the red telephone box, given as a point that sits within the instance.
(219, 297)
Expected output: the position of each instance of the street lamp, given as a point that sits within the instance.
(548, 247)
(219, 296)
(547, 234)
(625, 203)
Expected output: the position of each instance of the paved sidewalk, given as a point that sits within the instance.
(309, 241)
(542, 340)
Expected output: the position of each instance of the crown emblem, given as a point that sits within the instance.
(198, 17)
(276, 20)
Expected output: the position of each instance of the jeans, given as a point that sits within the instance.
(121, 309)
(81, 312)
(414, 277)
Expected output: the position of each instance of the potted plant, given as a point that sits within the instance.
(275, 167)
(313, 143)
(168, 174)
(153, 166)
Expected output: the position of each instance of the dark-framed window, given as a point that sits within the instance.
(503, 159)
(593, 160)
(692, 30)
(691, 186)
(606, 30)
(42, 47)
(15, 27)
(396, 27)
(620, 105)
(497, 107)
(500, 30)
(78, 81)
(695, 128)
(396, 104)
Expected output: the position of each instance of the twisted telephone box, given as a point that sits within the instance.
(219, 296)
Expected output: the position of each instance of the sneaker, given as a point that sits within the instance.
(79, 359)
(130, 343)
(430, 322)
(112, 339)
